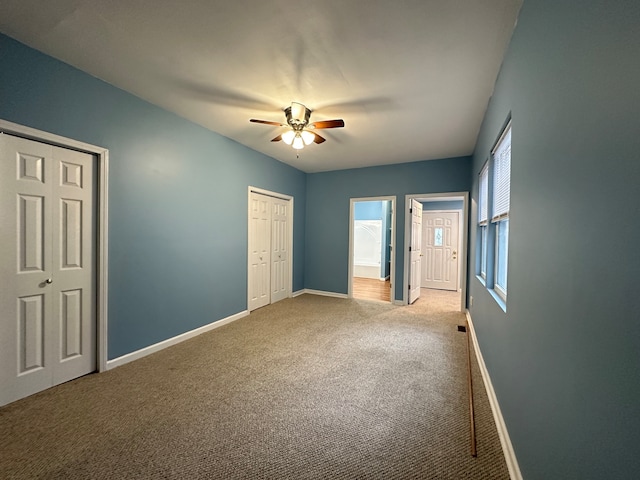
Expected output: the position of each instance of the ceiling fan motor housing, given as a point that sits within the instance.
(297, 123)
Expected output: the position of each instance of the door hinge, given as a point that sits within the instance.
(409, 287)
(409, 247)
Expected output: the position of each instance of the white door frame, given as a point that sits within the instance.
(464, 253)
(102, 236)
(281, 196)
(392, 270)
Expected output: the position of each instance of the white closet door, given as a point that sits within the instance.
(47, 266)
(259, 251)
(279, 249)
(415, 251)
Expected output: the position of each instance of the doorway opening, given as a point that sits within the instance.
(371, 251)
(436, 246)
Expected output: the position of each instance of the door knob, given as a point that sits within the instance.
(49, 281)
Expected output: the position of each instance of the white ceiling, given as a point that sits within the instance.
(410, 78)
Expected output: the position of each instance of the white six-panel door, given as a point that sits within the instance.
(279, 249)
(415, 253)
(440, 245)
(47, 266)
(259, 251)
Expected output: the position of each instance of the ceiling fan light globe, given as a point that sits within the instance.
(288, 136)
(298, 143)
(307, 137)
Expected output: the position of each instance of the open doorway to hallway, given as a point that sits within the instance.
(371, 239)
(436, 246)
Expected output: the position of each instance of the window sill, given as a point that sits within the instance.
(496, 296)
(499, 300)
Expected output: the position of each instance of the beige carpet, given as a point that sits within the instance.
(308, 388)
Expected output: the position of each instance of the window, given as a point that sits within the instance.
(483, 198)
(501, 201)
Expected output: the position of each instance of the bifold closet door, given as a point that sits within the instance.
(279, 249)
(269, 250)
(47, 266)
(259, 251)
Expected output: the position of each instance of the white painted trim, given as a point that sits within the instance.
(102, 247)
(505, 440)
(465, 234)
(281, 196)
(324, 294)
(392, 269)
(297, 293)
(143, 352)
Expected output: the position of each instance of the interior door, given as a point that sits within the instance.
(259, 251)
(440, 244)
(415, 251)
(279, 249)
(47, 266)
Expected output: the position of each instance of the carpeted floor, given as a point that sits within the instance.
(308, 388)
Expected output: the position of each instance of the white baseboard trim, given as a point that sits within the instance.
(297, 293)
(505, 441)
(322, 293)
(143, 352)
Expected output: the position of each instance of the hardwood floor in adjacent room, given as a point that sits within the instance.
(371, 289)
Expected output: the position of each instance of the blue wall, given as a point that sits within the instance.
(367, 210)
(443, 205)
(565, 357)
(177, 198)
(328, 200)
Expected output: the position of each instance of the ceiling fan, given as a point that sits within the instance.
(300, 132)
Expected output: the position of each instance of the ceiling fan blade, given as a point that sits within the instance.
(266, 122)
(277, 139)
(327, 124)
(318, 138)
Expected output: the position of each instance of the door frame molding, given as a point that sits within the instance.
(280, 196)
(102, 236)
(465, 233)
(392, 270)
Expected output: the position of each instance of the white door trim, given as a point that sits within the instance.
(281, 196)
(102, 236)
(464, 250)
(392, 271)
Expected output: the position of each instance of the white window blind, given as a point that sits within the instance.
(483, 196)
(502, 176)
